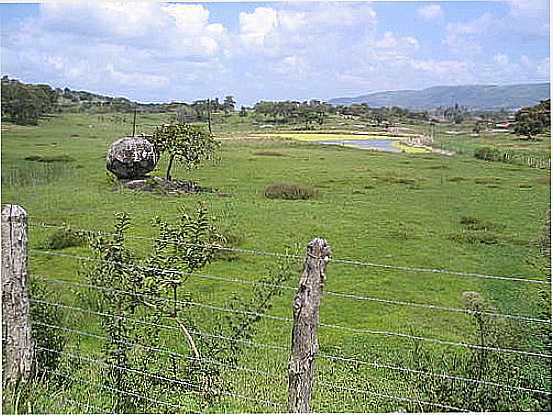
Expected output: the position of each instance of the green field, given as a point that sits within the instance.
(403, 210)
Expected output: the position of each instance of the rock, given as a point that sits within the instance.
(131, 157)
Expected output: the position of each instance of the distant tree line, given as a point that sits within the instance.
(25, 103)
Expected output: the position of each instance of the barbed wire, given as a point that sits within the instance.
(160, 350)
(112, 390)
(126, 369)
(376, 299)
(344, 295)
(375, 365)
(393, 397)
(87, 405)
(345, 261)
(335, 326)
(164, 378)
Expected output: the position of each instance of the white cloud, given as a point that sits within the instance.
(524, 18)
(501, 59)
(163, 51)
(430, 12)
(95, 44)
(254, 27)
(397, 44)
(273, 29)
(136, 79)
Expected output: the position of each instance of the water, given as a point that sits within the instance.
(381, 145)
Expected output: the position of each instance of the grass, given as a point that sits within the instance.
(377, 207)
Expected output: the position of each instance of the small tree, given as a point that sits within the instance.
(190, 144)
(228, 104)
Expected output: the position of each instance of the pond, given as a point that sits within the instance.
(381, 145)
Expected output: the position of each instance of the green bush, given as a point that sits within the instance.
(288, 191)
(522, 371)
(62, 158)
(487, 153)
(64, 238)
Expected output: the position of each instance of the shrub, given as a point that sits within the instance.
(480, 364)
(476, 237)
(269, 153)
(486, 153)
(62, 158)
(288, 191)
(64, 238)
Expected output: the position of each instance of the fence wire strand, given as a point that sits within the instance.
(338, 327)
(393, 397)
(156, 376)
(346, 261)
(375, 365)
(331, 293)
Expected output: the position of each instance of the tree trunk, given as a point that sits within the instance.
(169, 166)
(209, 115)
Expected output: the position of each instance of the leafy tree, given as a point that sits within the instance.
(228, 104)
(533, 120)
(26, 103)
(188, 143)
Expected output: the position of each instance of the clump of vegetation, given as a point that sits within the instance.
(289, 191)
(24, 103)
(533, 120)
(63, 158)
(476, 224)
(64, 238)
(395, 179)
(187, 143)
(487, 180)
(487, 153)
(477, 231)
(482, 365)
(456, 179)
(270, 153)
(154, 289)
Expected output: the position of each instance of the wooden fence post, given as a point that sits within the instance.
(16, 326)
(301, 366)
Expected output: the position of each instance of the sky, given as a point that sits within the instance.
(159, 51)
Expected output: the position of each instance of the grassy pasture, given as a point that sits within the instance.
(397, 209)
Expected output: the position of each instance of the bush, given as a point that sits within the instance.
(64, 238)
(290, 191)
(487, 153)
(476, 237)
(481, 364)
(63, 158)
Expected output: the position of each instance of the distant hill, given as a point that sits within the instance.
(477, 97)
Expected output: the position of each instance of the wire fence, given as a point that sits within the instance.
(262, 401)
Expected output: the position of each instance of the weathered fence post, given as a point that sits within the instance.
(301, 366)
(16, 327)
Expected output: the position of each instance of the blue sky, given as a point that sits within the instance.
(151, 51)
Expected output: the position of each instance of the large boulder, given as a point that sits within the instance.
(131, 157)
